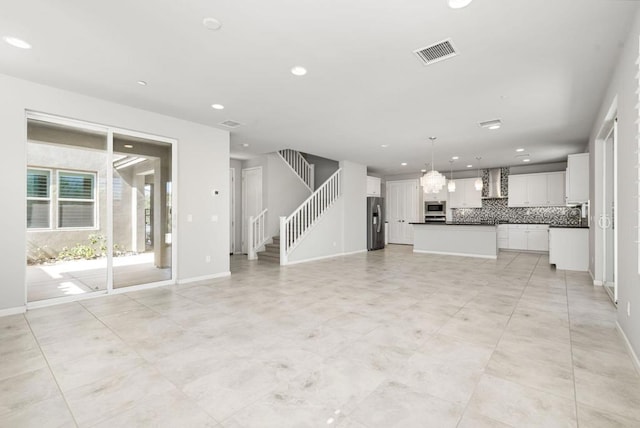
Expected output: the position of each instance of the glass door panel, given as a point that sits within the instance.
(66, 210)
(142, 247)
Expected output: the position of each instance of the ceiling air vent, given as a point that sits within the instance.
(436, 52)
(230, 123)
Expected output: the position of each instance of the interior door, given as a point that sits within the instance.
(607, 220)
(232, 211)
(251, 199)
(411, 209)
(395, 211)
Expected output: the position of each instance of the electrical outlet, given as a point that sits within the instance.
(628, 309)
(207, 259)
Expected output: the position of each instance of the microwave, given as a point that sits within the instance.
(433, 208)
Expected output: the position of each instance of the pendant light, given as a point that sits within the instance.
(451, 186)
(478, 183)
(433, 181)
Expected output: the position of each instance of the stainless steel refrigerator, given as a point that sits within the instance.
(375, 223)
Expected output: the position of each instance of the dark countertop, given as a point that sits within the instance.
(568, 227)
(454, 224)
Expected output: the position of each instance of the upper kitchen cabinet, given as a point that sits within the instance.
(466, 195)
(442, 195)
(373, 186)
(577, 182)
(537, 190)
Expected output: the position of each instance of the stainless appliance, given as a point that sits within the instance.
(375, 223)
(435, 209)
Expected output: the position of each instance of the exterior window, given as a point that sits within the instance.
(38, 199)
(76, 200)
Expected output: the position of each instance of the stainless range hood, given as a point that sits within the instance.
(495, 185)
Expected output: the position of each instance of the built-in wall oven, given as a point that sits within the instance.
(435, 211)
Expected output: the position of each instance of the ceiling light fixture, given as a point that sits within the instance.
(458, 4)
(299, 71)
(403, 164)
(526, 160)
(478, 183)
(423, 170)
(469, 166)
(384, 146)
(451, 185)
(142, 83)
(128, 146)
(491, 124)
(211, 24)
(245, 144)
(455, 157)
(16, 42)
(433, 181)
(217, 106)
(519, 150)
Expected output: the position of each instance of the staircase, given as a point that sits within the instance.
(271, 252)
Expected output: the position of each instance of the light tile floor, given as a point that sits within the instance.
(380, 339)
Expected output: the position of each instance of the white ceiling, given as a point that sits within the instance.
(541, 66)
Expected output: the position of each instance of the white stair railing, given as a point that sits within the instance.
(294, 227)
(299, 165)
(257, 234)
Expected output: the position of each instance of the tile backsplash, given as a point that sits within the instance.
(496, 210)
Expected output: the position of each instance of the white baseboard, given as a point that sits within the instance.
(13, 311)
(634, 356)
(313, 259)
(204, 277)
(441, 253)
(595, 281)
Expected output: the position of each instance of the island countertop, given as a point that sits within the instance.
(455, 239)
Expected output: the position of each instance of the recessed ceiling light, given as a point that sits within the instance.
(142, 83)
(384, 146)
(519, 150)
(469, 166)
(299, 71)
(211, 24)
(245, 144)
(423, 170)
(458, 4)
(128, 146)
(217, 106)
(403, 164)
(16, 42)
(526, 160)
(455, 157)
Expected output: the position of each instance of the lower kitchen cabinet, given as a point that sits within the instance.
(527, 237)
(569, 248)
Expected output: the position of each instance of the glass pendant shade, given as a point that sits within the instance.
(451, 186)
(478, 184)
(433, 181)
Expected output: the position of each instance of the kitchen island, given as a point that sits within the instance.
(456, 239)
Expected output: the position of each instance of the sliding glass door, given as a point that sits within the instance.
(98, 209)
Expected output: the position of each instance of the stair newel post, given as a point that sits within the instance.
(284, 241)
(251, 251)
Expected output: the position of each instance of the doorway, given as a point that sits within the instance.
(232, 211)
(251, 199)
(403, 208)
(607, 220)
(99, 209)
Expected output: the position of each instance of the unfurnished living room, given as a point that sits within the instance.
(294, 213)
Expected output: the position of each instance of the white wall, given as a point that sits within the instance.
(237, 165)
(354, 192)
(203, 165)
(323, 168)
(623, 86)
(326, 238)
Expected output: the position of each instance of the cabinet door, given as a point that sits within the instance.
(517, 238)
(517, 191)
(538, 240)
(578, 178)
(456, 199)
(472, 197)
(373, 186)
(537, 190)
(555, 189)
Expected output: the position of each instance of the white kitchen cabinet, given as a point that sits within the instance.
(503, 236)
(442, 195)
(528, 237)
(373, 186)
(569, 248)
(466, 195)
(403, 208)
(577, 179)
(536, 190)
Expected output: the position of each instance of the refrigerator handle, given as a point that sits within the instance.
(379, 218)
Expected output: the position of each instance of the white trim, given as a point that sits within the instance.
(65, 299)
(443, 253)
(330, 256)
(13, 311)
(632, 352)
(232, 203)
(203, 278)
(139, 287)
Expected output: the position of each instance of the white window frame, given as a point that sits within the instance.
(96, 225)
(49, 198)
